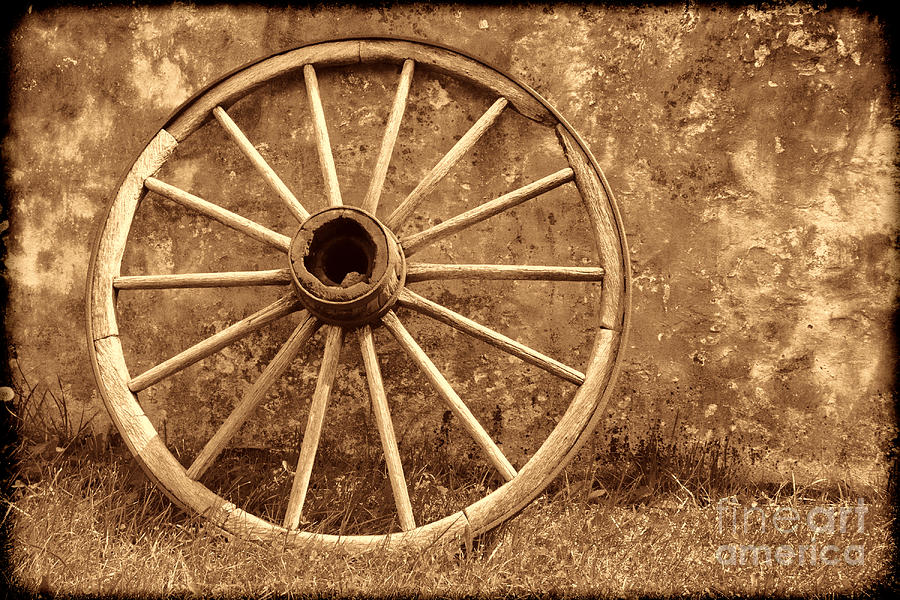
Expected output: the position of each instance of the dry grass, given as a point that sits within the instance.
(87, 523)
(82, 519)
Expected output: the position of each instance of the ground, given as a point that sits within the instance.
(95, 527)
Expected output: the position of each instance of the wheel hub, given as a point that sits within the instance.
(346, 266)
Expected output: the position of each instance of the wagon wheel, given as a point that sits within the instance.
(347, 272)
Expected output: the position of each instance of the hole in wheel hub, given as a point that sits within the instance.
(341, 253)
(346, 266)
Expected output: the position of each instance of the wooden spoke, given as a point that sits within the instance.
(254, 397)
(214, 211)
(427, 271)
(202, 280)
(449, 395)
(253, 155)
(498, 340)
(323, 144)
(416, 242)
(370, 202)
(386, 429)
(333, 342)
(214, 343)
(408, 206)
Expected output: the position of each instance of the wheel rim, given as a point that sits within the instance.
(323, 302)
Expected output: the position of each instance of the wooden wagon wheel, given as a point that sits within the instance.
(346, 271)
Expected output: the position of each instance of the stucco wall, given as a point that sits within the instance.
(751, 154)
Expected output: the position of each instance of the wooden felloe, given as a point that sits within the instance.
(345, 272)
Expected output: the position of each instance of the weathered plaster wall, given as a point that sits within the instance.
(752, 155)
